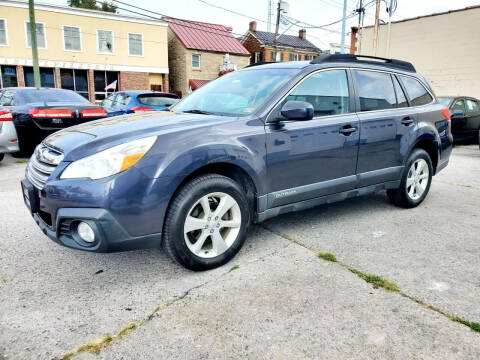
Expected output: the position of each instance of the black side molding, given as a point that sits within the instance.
(372, 60)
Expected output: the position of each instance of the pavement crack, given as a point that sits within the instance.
(106, 340)
(460, 185)
(376, 281)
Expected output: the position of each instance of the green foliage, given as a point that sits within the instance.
(93, 5)
(327, 256)
(376, 281)
(472, 325)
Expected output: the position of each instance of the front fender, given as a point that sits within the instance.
(184, 154)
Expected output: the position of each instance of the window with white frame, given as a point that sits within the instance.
(105, 41)
(258, 57)
(295, 57)
(3, 32)
(135, 44)
(196, 61)
(308, 57)
(71, 38)
(41, 38)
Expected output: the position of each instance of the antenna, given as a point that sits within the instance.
(270, 13)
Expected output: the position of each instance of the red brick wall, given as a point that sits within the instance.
(133, 81)
(58, 79)
(286, 54)
(91, 86)
(165, 84)
(20, 77)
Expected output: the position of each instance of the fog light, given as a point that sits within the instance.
(85, 232)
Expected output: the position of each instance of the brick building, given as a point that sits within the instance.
(82, 50)
(199, 52)
(261, 45)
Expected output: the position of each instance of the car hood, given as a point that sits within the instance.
(83, 140)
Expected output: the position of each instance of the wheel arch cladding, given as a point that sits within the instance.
(431, 147)
(232, 171)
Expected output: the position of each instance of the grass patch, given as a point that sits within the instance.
(235, 267)
(21, 161)
(472, 325)
(327, 256)
(376, 281)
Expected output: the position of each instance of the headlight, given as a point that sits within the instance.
(109, 162)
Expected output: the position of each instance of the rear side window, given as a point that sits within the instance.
(155, 100)
(8, 98)
(472, 106)
(51, 95)
(416, 91)
(375, 90)
(327, 91)
(121, 100)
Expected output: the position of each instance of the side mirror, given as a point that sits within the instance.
(297, 110)
(456, 113)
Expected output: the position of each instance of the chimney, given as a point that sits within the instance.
(353, 40)
(302, 34)
(252, 26)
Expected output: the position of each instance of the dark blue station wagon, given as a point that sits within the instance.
(246, 147)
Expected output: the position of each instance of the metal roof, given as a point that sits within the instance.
(268, 38)
(204, 36)
(196, 83)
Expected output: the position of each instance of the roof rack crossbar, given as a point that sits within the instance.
(394, 63)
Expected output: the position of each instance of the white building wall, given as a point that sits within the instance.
(443, 48)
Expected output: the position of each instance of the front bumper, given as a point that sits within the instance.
(125, 211)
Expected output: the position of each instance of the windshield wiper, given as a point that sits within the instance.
(196, 111)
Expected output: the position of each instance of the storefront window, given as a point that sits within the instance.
(47, 78)
(75, 80)
(9, 76)
(102, 79)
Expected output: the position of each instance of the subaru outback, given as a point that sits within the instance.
(251, 145)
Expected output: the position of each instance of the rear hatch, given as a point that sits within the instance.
(53, 116)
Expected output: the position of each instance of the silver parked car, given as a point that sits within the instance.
(8, 134)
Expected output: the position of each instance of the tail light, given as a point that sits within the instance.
(50, 113)
(446, 113)
(6, 115)
(138, 109)
(88, 113)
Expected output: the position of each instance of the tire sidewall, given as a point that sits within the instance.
(417, 154)
(184, 205)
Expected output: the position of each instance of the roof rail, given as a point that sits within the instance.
(394, 63)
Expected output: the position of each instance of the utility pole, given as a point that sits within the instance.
(344, 23)
(275, 40)
(375, 29)
(33, 43)
(360, 23)
(389, 28)
(269, 21)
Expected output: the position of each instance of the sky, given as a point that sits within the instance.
(312, 12)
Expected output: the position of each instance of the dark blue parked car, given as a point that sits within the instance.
(248, 146)
(129, 102)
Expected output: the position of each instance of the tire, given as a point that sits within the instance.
(201, 248)
(479, 138)
(414, 185)
(2, 155)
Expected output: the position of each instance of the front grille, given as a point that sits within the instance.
(41, 165)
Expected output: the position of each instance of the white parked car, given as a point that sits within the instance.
(8, 134)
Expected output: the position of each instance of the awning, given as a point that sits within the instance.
(196, 83)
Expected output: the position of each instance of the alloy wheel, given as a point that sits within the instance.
(417, 179)
(212, 225)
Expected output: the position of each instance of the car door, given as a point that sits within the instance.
(473, 116)
(308, 159)
(385, 124)
(458, 117)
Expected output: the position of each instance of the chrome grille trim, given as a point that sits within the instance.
(38, 171)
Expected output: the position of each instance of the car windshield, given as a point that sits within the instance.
(157, 100)
(236, 94)
(42, 96)
(445, 101)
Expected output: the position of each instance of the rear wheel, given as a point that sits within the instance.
(415, 182)
(206, 223)
(2, 155)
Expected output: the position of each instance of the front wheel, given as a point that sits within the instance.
(415, 182)
(207, 222)
(2, 156)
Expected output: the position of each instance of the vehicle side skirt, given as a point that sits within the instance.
(307, 204)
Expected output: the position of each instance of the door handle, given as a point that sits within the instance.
(407, 121)
(347, 130)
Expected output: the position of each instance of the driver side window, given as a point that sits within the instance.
(459, 106)
(327, 91)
